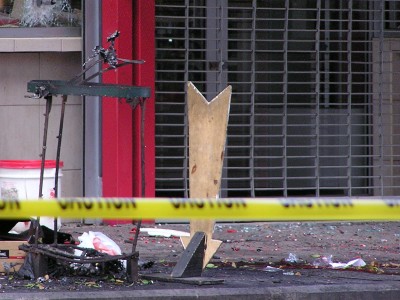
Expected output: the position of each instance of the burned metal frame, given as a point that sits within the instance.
(135, 96)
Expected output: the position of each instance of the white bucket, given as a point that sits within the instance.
(20, 179)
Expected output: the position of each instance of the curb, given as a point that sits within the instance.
(343, 292)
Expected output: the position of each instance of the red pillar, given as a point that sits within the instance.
(117, 115)
(121, 167)
(144, 75)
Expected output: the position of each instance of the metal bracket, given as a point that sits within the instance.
(191, 262)
(189, 267)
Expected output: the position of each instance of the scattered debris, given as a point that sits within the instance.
(321, 261)
(211, 266)
(145, 264)
(289, 273)
(271, 269)
(146, 281)
(164, 232)
(358, 262)
(326, 261)
(292, 258)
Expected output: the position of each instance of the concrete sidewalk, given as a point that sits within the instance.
(261, 261)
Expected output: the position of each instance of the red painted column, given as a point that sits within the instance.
(117, 116)
(144, 75)
(121, 150)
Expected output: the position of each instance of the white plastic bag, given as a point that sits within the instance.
(98, 241)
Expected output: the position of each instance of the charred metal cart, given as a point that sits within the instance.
(135, 96)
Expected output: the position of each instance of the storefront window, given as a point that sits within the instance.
(63, 15)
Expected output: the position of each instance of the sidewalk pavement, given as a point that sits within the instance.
(261, 260)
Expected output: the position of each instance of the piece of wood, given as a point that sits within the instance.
(208, 123)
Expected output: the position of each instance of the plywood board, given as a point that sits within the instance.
(207, 137)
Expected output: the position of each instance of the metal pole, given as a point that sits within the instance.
(49, 100)
(142, 104)
(133, 261)
(59, 137)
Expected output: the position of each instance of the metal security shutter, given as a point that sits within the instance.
(314, 108)
(181, 45)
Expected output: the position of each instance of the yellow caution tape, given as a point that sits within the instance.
(271, 209)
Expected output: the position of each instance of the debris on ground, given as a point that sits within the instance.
(272, 253)
(164, 232)
(358, 262)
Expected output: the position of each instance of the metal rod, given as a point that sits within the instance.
(135, 238)
(75, 80)
(49, 100)
(104, 70)
(142, 104)
(59, 137)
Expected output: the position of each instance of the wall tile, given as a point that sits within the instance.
(38, 45)
(16, 70)
(71, 44)
(7, 45)
(19, 134)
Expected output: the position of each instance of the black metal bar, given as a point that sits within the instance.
(142, 104)
(135, 238)
(49, 100)
(59, 87)
(132, 267)
(59, 137)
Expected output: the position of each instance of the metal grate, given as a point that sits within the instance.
(314, 108)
